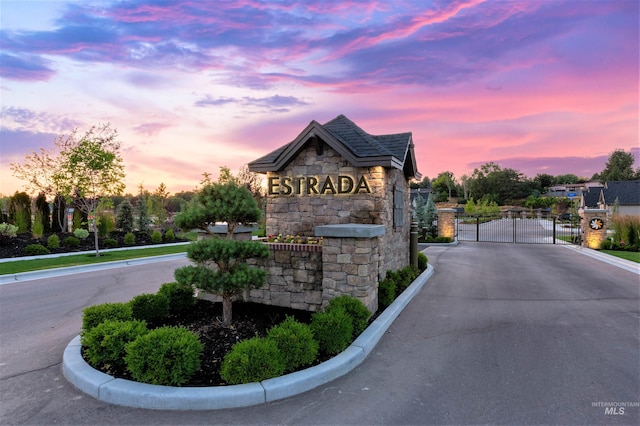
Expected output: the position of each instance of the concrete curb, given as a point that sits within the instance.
(603, 257)
(57, 272)
(139, 395)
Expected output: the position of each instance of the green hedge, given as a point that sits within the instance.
(104, 344)
(356, 310)
(252, 360)
(94, 315)
(332, 329)
(295, 342)
(151, 308)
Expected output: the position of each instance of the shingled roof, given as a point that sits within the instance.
(626, 192)
(351, 142)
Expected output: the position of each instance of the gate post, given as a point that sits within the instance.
(447, 223)
(594, 227)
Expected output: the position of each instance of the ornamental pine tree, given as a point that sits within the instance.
(220, 264)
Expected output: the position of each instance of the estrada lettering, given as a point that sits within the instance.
(313, 185)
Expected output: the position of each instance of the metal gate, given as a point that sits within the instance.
(523, 227)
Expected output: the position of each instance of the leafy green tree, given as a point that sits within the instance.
(220, 264)
(618, 167)
(91, 171)
(493, 183)
(566, 179)
(445, 184)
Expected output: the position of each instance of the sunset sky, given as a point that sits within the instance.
(539, 86)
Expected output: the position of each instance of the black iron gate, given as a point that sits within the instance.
(525, 227)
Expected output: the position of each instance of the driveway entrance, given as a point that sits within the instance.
(523, 227)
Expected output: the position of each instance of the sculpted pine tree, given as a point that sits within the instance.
(220, 264)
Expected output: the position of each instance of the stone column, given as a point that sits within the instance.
(350, 262)
(594, 227)
(447, 223)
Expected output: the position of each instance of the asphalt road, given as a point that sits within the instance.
(502, 333)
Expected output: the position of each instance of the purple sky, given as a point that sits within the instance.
(539, 86)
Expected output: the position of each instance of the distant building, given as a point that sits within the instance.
(572, 189)
(624, 196)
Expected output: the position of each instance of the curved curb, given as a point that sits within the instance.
(140, 395)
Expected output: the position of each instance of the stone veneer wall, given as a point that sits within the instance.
(300, 214)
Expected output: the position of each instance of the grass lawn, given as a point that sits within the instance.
(633, 256)
(85, 259)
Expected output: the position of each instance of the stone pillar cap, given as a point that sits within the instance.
(350, 230)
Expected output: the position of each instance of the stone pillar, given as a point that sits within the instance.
(447, 223)
(594, 227)
(350, 262)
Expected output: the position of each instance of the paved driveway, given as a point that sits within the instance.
(502, 333)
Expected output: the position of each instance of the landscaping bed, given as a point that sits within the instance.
(14, 247)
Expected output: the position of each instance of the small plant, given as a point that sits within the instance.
(129, 238)
(355, 309)
(167, 356)
(53, 242)
(37, 229)
(180, 297)
(106, 225)
(71, 242)
(252, 360)
(169, 235)
(386, 292)
(156, 237)
(110, 243)
(35, 249)
(149, 307)
(96, 314)
(422, 261)
(7, 232)
(104, 344)
(332, 329)
(81, 233)
(295, 342)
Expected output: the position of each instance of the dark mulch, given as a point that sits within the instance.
(14, 247)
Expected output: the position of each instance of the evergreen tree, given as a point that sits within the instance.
(124, 216)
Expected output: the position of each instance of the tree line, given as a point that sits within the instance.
(491, 183)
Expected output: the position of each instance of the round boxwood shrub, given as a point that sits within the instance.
(104, 344)
(332, 329)
(71, 242)
(81, 233)
(53, 242)
(110, 243)
(156, 237)
(149, 307)
(295, 342)
(94, 315)
(252, 360)
(167, 356)
(129, 238)
(422, 261)
(386, 292)
(180, 297)
(169, 235)
(35, 249)
(355, 309)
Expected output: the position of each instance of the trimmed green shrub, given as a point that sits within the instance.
(422, 261)
(295, 342)
(167, 356)
(386, 292)
(252, 360)
(110, 243)
(104, 344)
(156, 237)
(149, 307)
(94, 315)
(7, 232)
(332, 329)
(53, 242)
(180, 297)
(80, 233)
(129, 238)
(441, 239)
(355, 309)
(403, 278)
(35, 249)
(169, 235)
(71, 242)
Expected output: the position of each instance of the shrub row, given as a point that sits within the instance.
(291, 344)
(395, 282)
(115, 336)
